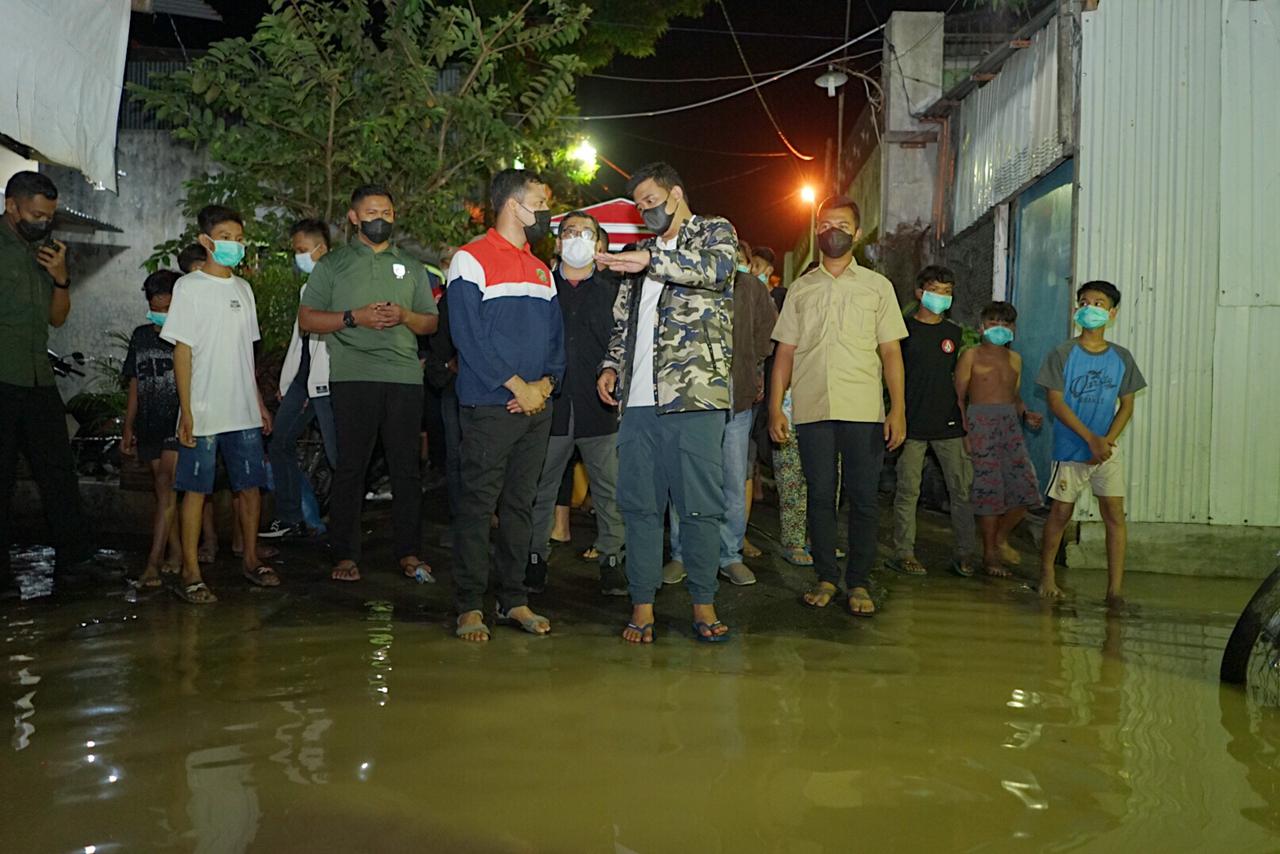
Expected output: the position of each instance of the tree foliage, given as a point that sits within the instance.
(426, 97)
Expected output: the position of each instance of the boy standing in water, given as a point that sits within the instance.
(1091, 385)
(929, 354)
(151, 419)
(988, 378)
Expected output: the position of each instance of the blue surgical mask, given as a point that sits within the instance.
(1092, 317)
(304, 261)
(742, 268)
(764, 280)
(937, 303)
(998, 335)
(157, 317)
(228, 253)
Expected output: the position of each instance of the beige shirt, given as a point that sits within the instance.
(836, 325)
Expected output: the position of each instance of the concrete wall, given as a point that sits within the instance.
(912, 79)
(106, 268)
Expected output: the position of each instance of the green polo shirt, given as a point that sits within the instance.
(353, 276)
(26, 291)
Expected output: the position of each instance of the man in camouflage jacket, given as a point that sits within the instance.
(667, 369)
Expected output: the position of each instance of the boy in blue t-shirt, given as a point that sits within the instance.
(1090, 384)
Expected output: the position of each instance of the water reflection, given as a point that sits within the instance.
(966, 717)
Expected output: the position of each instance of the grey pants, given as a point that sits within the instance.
(958, 473)
(600, 455)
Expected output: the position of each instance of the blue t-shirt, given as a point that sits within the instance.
(1092, 385)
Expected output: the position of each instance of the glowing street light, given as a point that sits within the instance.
(585, 153)
(807, 195)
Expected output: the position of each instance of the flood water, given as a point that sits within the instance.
(326, 717)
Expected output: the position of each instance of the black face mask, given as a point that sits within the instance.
(541, 226)
(657, 219)
(835, 243)
(34, 231)
(376, 230)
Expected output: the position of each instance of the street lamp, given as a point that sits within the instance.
(585, 153)
(810, 198)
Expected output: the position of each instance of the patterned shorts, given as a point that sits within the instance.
(1003, 477)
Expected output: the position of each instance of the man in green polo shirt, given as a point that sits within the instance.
(370, 300)
(34, 295)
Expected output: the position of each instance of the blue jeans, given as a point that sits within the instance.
(241, 453)
(292, 417)
(735, 450)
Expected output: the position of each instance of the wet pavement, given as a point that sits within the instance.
(967, 716)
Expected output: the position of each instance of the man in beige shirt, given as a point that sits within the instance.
(837, 348)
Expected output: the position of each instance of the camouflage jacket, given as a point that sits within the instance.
(693, 335)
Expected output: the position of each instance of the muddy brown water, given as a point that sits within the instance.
(322, 717)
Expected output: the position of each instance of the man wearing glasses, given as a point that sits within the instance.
(579, 418)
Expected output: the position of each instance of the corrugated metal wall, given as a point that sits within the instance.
(1179, 195)
(1148, 211)
(1246, 402)
(1008, 131)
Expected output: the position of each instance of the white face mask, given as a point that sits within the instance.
(577, 251)
(304, 261)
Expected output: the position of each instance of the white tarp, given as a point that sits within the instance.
(64, 62)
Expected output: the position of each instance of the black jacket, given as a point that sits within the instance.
(587, 309)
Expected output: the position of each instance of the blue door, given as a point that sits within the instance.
(1041, 291)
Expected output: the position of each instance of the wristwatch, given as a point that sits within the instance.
(348, 319)
(63, 287)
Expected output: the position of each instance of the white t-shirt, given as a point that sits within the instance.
(218, 320)
(640, 390)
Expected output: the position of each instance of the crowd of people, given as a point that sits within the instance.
(653, 363)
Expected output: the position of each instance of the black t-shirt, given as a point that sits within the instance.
(929, 353)
(150, 360)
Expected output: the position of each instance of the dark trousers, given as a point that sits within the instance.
(363, 412)
(860, 447)
(676, 458)
(451, 417)
(33, 422)
(502, 457)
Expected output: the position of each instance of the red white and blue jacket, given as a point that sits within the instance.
(504, 319)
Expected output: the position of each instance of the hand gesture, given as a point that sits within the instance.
(895, 430)
(186, 430)
(266, 420)
(624, 262)
(54, 260)
(1100, 448)
(1034, 420)
(530, 399)
(390, 314)
(605, 385)
(128, 442)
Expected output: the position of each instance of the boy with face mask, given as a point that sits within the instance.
(212, 323)
(929, 354)
(988, 379)
(1091, 385)
(150, 418)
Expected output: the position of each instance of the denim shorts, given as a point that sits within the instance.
(242, 454)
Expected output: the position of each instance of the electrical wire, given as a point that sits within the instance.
(733, 177)
(774, 35)
(624, 79)
(763, 103)
(668, 144)
(726, 96)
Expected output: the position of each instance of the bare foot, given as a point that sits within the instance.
(1009, 554)
(860, 604)
(472, 620)
(749, 549)
(150, 577)
(996, 570)
(821, 595)
(640, 629)
(346, 570)
(706, 614)
(1048, 589)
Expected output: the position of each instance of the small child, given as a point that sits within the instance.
(1091, 385)
(929, 355)
(988, 378)
(151, 420)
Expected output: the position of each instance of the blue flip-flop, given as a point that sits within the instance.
(647, 627)
(711, 636)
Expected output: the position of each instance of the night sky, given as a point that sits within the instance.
(759, 194)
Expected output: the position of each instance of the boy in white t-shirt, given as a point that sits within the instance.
(212, 323)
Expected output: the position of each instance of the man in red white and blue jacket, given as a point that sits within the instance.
(507, 328)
